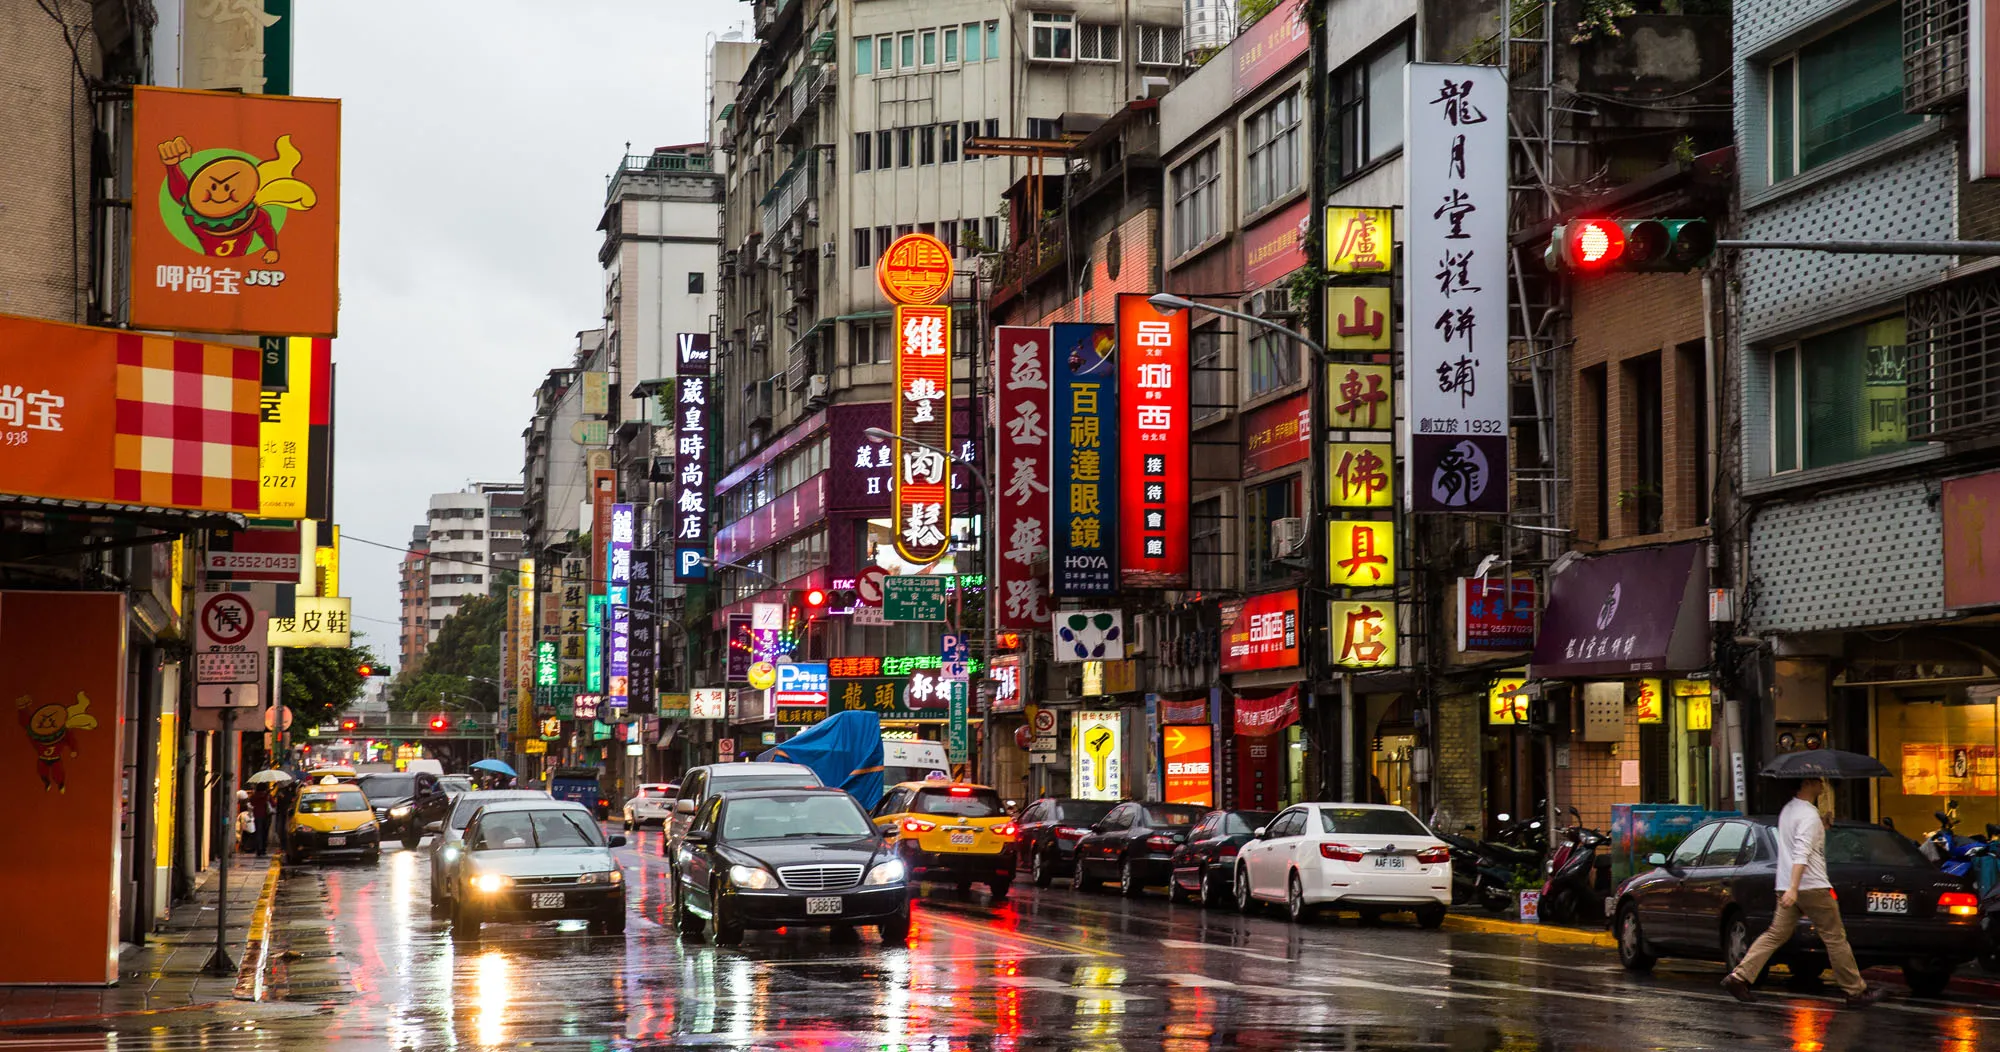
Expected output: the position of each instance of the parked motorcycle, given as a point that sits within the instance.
(1576, 875)
(1484, 871)
(1949, 851)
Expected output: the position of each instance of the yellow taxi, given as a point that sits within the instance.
(950, 833)
(331, 776)
(331, 820)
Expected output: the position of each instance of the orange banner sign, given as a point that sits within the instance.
(1190, 760)
(235, 212)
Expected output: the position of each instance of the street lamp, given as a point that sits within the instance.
(986, 548)
(1168, 303)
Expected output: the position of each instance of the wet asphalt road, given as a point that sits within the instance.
(1052, 969)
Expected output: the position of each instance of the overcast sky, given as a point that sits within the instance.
(477, 135)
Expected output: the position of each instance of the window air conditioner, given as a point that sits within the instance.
(1288, 537)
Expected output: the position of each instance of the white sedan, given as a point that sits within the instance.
(1371, 858)
(654, 802)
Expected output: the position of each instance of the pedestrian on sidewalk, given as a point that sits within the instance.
(260, 815)
(1804, 890)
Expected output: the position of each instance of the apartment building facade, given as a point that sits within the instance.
(476, 540)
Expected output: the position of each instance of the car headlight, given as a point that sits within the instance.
(616, 876)
(401, 811)
(751, 877)
(365, 827)
(889, 872)
(491, 882)
(450, 853)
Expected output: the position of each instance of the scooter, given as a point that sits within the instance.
(1478, 873)
(1576, 875)
(1949, 851)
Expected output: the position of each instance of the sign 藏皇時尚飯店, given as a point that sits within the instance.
(1263, 634)
(1455, 241)
(689, 519)
(235, 212)
(1083, 538)
(316, 621)
(1155, 483)
(1363, 633)
(1023, 461)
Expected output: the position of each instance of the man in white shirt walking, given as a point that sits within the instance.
(1804, 890)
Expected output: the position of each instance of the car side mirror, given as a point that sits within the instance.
(1656, 859)
(684, 807)
(1258, 833)
(700, 836)
(616, 840)
(433, 827)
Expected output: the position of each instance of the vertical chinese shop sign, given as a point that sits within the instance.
(1083, 497)
(1153, 436)
(915, 271)
(642, 630)
(1022, 471)
(618, 657)
(691, 482)
(1455, 434)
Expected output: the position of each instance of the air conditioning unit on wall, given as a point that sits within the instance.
(1288, 537)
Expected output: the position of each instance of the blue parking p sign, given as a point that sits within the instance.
(956, 648)
(690, 564)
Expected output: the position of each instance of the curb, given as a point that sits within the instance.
(257, 951)
(1538, 932)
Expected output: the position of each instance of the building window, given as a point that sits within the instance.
(1838, 397)
(1597, 402)
(971, 129)
(1044, 128)
(882, 150)
(1207, 558)
(882, 240)
(1646, 495)
(697, 282)
(972, 41)
(1264, 505)
(863, 149)
(905, 228)
(927, 228)
(1051, 36)
(948, 143)
(949, 235)
(1098, 41)
(992, 39)
(906, 45)
(869, 343)
(992, 235)
(904, 138)
(1368, 107)
(864, 54)
(1272, 167)
(1197, 197)
(927, 144)
(993, 127)
(1208, 383)
(930, 47)
(951, 45)
(885, 53)
(1838, 94)
(1159, 45)
(1274, 359)
(862, 256)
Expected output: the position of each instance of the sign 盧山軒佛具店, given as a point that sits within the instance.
(1363, 633)
(1361, 553)
(1455, 293)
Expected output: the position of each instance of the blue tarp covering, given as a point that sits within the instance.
(845, 750)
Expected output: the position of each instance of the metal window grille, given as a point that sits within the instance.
(1933, 54)
(1953, 368)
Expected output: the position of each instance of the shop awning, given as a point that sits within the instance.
(1643, 610)
(1268, 714)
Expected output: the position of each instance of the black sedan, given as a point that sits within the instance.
(1047, 834)
(1135, 842)
(405, 803)
(769, 858)
(1719, 890)
(1201, 867)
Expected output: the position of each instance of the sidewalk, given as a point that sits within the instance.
(165, 974)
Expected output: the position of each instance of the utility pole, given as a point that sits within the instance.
(219, 961)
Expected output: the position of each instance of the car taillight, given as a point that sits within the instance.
(1340, 852)
(917, 825)
(1431, 856)
(1004, 829)
(1959, 903)
(1071, 833)
(603, 802)
(1160, 843)
(1228, 851)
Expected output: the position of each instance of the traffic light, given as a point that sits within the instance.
(349, 724)
(364, 671)
(809, 604)
(439, 723)
(841, 599)
(1590, 246)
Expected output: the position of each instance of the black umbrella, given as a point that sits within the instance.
(1825, 763)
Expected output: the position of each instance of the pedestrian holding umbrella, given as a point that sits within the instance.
(272, 775)
(1803, 887)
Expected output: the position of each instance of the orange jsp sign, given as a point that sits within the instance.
(914, 269)
(235, 212)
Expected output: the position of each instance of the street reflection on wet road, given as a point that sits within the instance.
(1051, 969)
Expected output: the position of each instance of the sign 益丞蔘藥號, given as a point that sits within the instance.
(1021, 364)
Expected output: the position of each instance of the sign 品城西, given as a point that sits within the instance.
(1263, 634)
(1153, 430)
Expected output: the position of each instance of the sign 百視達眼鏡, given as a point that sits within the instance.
(1154, 485)
(1022, 367)
(921, 483)
(1084, 444)
(1455, 292)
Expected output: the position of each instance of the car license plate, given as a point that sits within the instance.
(822, 907)
(547, 900)
(962, 837)
(1888, 902)
(1391, 862)
(335, 841)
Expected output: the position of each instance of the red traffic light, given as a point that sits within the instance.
(1594, 243)
(815, 598)
(348, 725)
(365, 671)
(439, 723)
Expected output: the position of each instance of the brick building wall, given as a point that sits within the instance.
(1458, 777)
(1620, 321)
(1592, 783)
(45, 121)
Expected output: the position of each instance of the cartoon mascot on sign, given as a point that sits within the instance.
(48, 728)
(232, 202)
